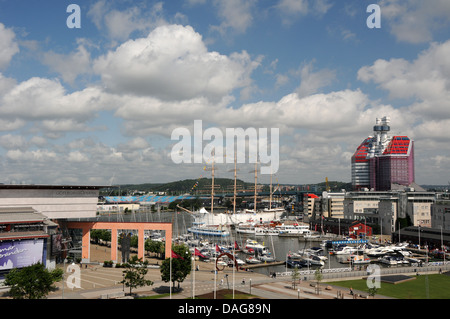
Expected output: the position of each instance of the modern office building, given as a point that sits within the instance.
(383, 162)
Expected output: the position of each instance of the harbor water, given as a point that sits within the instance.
(279, 246)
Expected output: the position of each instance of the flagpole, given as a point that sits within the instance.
(193, 276)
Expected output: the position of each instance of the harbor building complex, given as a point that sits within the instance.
(381, 161)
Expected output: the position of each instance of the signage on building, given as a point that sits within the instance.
(21, 253)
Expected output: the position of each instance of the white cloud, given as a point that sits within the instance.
(312, 81)
(69, 65)
(415, 21)
(9, 46)
(292, 10)
(426, 80)
(236, 15)
(173, 63)
(120, 24)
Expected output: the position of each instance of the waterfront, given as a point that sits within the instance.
(279, 246)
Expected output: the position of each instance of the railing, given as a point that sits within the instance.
(337, 273)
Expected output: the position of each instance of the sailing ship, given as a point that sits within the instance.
(242, 217)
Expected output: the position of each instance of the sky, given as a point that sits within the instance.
(96, 103)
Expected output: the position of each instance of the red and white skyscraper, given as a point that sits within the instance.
(382, 161)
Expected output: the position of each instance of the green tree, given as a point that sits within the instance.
(32, 282)
(135, 272)
(318, 275)
(155, 247)
(181, 267)
(295, 276)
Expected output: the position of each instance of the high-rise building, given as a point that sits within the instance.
(383, 161)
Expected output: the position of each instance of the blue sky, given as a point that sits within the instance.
(98, 104)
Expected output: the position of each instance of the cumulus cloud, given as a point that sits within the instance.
(120, 24)
(426, 80)
(290, 10)
(9, 46)
(173, 63)
(70, 66)
(415, 21)
(236, 15)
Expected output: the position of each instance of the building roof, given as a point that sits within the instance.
(362, 151)
(20, 215)
(32, 186)
(399, 145)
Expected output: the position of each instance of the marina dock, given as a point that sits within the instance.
(274, 263)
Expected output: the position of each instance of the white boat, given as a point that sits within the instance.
(313, 260)
(247, 216)
(358, 259)
(346, 250)
(293, 229)
(266, 231)
(257, 247)
(215, 231)
(252, 260)
(245, 229)
(388, 260)
(267, 258)
(377, 252)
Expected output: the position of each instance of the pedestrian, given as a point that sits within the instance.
(351, 291)
(243, 281)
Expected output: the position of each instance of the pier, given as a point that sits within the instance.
(264, 264)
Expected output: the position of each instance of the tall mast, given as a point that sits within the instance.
(212, 184)
(234, 194)
(256, 163)
(270, 198)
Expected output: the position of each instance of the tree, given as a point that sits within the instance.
(181, 265)
(156, 247)
(32, 282)
(295, 276)
(318, 275)
(135, 272)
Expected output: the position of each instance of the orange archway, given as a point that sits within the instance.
(114, 227)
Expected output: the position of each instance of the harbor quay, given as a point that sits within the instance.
(98, 282)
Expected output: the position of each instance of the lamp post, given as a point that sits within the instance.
(298, 293)
(250, 286)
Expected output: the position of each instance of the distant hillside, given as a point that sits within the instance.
(178, 187)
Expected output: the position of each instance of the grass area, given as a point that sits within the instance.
(434, 286)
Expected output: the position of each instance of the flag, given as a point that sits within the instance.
(236, 246)
(175, 255)
(218, 249)
(198, 253)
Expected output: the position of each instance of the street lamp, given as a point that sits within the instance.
(298, 293)
(250, 286)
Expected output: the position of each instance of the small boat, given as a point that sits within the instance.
(252, 260)
(257, 247)
(358, 260)
(294, 263)
(267, 258)
(346, 250)
(388, 260)
(380, 251)
(313, 260)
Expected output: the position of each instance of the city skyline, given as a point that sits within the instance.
(96, 103)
